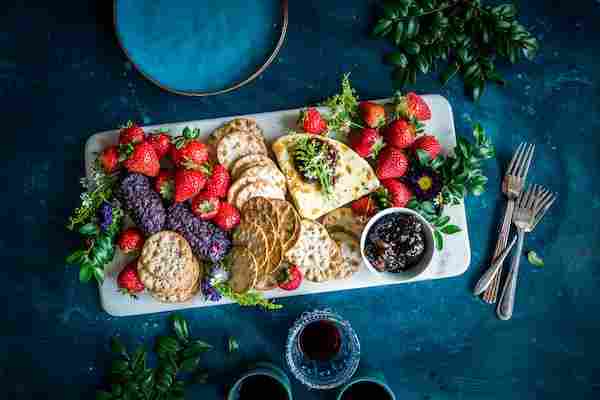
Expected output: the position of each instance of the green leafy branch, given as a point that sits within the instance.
(248, 299)
(465, 35)
(178, 356)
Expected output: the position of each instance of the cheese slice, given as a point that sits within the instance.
(354, 178)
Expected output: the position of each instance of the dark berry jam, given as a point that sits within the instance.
(395, 243)
(323, 156)
(320, 340)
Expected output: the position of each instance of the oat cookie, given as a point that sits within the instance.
(166, 263)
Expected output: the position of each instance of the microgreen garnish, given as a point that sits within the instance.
(342, 109)
(311, 157)
(178, 354)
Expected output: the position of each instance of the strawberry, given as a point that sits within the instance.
(367, 142)
(392, 163)
(188, 183)
(130, 240)
(142, 159)
(364, 206)
(165, 184)
(398, 193)
(205, 206)
(429, 144)
(161, 142)
(228, 217)
(109, 159)
(412, 106)
(372, 114)
(131, 133)
(129, 281)
(218, 181)
(311, 121)
(401, 133)
(290, 278)
(189, 152)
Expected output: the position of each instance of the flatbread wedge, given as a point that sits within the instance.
(354, 177)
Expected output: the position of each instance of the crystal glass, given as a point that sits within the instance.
(333, 372)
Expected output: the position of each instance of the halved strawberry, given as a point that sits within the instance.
(205, 206)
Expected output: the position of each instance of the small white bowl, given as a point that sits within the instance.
(429, 246)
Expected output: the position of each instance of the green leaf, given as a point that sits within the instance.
(423, 64)
(442, 221)
(102, 395)
(428, 207)
(167, 344)
(412, 48)
(382, 27)
(139, 360)
(232, 345)
(119, 366)
(450, 229)
(534, 259)
(85, 273)
(117, 347)
(397, 58)
(423, 157)
(98, 273)
(180, 327)
(189, 364)
(496, 77)
(89, 229)
(195, 349)
(449, 73)
(116, 389)
(438, 239)
(399, 33)
(472, 70)
(413, 204)
(412, 28)
(76, 257)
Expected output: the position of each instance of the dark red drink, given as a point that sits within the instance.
(366, 390)
(320, 340)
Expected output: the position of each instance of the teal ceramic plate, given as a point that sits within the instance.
(200, 47)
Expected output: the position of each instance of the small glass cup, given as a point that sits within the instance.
(323, 374)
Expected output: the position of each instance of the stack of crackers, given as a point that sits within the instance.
(168, 269)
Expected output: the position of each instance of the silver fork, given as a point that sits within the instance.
(531, 208)
(512, 186)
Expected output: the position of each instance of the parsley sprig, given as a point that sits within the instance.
(311, 158)
(177, 356)
(342, 113)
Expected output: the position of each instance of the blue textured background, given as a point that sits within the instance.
(63, 77)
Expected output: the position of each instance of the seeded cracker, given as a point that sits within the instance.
(238, 124)
(288, 223)
(236, 145)
(252, 237)
(312, 252)
(257, 189)
(350, 252)
(244, 273)
(249, 161)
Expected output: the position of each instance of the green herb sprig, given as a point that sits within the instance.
(466, 35)
(177, 355)
(342, 109)
(311, 159)
(248, 299)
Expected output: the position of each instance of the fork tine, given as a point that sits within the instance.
(542, 200)
(539, 217)
(526, 164)
(514, 161)
(534, 196)
(545, 203)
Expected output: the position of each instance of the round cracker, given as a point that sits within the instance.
(238, 185)
(237, 144)
(237, 124)
(166, 263)
(344, 220)
(312, 252)
(270, 229)
(248, 161)
(244, 272)
(350, 253)
(267, 173)
(252, 236)
(288, 223)
(257, 189)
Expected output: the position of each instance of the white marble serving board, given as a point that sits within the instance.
(453, 260)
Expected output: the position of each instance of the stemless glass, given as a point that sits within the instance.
(323, 374)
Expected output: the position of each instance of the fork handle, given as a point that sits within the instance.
(507, 298)
(490, 292)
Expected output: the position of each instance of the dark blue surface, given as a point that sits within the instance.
(63, 77)
(198, 46)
